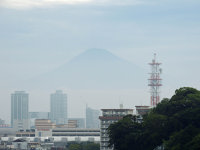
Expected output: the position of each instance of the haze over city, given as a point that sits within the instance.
(99, 49)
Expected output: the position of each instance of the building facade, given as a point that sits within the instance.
(75, 132)
(37, 115)
(110, 116)
(142, 110)
(80, 122)
(92, 118)
(43, 127)
(19, 110)
(2, 121)
(58, 108)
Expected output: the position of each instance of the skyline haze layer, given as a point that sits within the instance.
(37, 37)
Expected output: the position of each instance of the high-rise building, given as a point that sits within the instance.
(19, 110)
(110, 116)
(92, 118)
(58, 108)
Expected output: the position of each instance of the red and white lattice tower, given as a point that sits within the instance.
(155, 81)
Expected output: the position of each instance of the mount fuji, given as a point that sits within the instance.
(94, 69)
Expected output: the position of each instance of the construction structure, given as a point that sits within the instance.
(155, 81)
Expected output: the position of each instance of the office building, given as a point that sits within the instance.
(92, 118)
(58, 108)
(110, 116)
(19, 110)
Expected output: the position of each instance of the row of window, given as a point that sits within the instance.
(114, 112)
(108, 121)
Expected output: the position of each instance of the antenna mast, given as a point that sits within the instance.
(155, 81)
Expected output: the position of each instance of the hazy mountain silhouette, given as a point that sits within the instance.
(94, 68)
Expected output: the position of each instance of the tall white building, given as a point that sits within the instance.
(110, 116)
(92, 118)
(58, 108)
(19, 110)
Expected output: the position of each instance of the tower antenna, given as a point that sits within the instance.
(155, 81)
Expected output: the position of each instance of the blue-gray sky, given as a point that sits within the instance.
(39, 35)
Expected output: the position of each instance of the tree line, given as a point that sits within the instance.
(174, 124)
(83, 146)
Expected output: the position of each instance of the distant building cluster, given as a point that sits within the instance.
(22, 119)
(56, 124)
(28, 129)
(34, 126)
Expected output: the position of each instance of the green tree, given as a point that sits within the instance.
(83, 146)
(75, 147)
(91, 146)
(181, 140)
(121, 132)
(194, 143)
(174, 123)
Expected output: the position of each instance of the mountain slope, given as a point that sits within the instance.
(94, 68)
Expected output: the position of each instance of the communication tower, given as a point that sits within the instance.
(155, 81)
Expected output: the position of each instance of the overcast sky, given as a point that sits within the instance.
(39, 35)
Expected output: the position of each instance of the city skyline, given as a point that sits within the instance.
(40, 36)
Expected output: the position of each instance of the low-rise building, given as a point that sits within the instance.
(5, 132)
(44, 127)
(142, 110)
(72, 124)
(20, 144)
(79, 121)
(76, 132)
(26, 133)
(37, 115)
